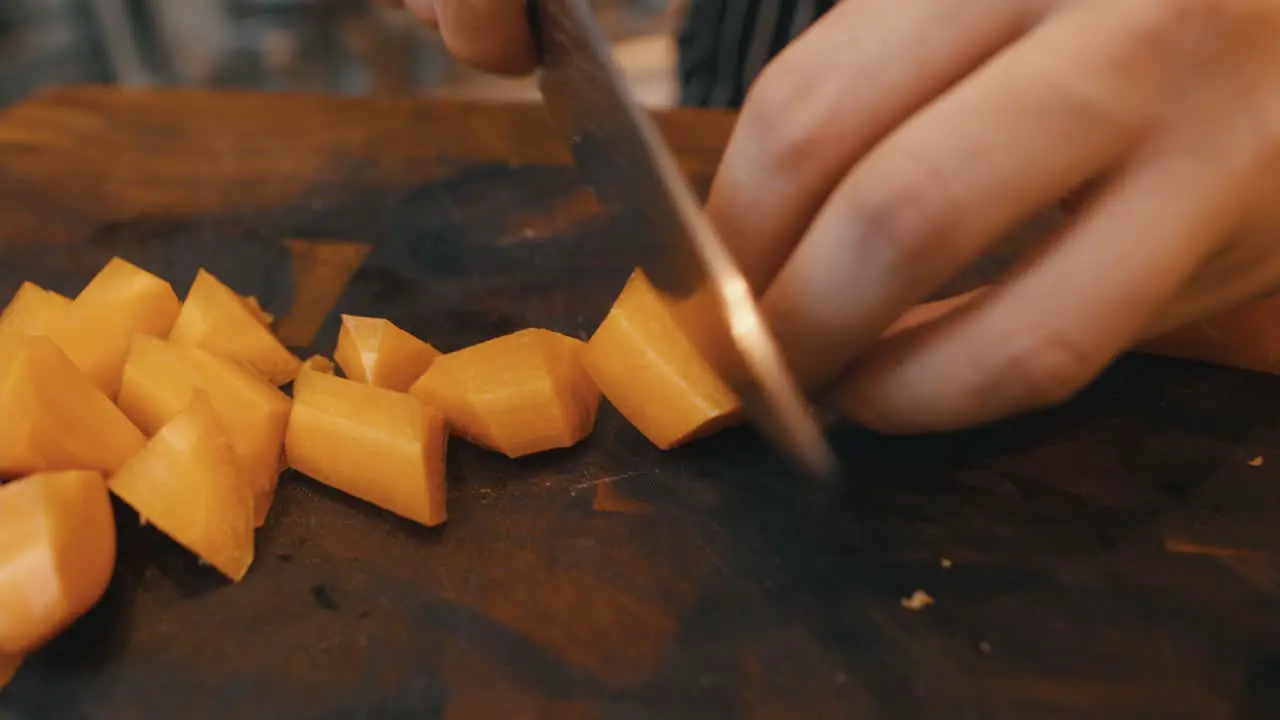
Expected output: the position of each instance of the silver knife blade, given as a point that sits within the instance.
(619, 151)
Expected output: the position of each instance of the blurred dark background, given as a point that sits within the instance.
(339, 46)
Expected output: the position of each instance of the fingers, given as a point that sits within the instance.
(829, 97)
(1226, 314)
(1034, 123)
(1238, 275)
(492, 35)
(424, 10)
(1243, 335)
(1040, 337)
(1248, 268)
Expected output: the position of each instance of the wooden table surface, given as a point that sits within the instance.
(1115, 557)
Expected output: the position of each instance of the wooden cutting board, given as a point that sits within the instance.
(1116, 557)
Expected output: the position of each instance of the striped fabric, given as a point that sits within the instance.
(725, 43)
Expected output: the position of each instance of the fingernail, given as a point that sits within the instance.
(425, 10)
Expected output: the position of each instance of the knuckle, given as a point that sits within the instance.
(906, 212)
(774, 120)
(1165, 23)
(1046, 369)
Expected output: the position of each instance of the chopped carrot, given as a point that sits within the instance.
(217, 319)
(319, 363)
(376, 352)
(188, 483)
(381, 446)
(9, 665)
(32, 311)
(517, 394)
(918, 600)
(646, 366)
(159, 381)
(55, 418)
(121, 301)
(263, 316)
(57, 553)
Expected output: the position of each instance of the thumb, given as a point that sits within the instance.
(424, 10)
(492, 35)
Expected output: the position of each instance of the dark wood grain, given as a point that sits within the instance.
(1116, 557)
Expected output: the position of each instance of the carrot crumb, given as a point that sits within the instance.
(1256, 462)
(1189, 548)
(918, 600)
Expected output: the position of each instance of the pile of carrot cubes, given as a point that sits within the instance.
(177, 408)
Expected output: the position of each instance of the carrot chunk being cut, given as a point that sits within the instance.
(121, 301)
(218, 319)
(55, 418)
(57, 553)
(188, 483)
(32, 311)
(160, 378)
(376, 352)
(381, 446)
(517, 394)
(646, 366)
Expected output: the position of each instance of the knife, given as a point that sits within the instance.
(620, 153)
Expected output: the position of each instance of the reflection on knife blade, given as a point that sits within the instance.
(619, 151)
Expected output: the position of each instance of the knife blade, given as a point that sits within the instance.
(619, 151)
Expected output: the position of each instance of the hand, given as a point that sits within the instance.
(895, 140)
(492, 35)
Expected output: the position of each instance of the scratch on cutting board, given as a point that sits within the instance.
(712, 555)
(608, 479)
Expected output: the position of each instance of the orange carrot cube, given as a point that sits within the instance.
(55, 418)
(519, 394)
(160, 378)
(381, 446)
(188, 483)
(217, 319)
(57, 553)
(646, 366)
(121, 301)
(376, 352)
(32, 311)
